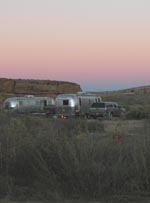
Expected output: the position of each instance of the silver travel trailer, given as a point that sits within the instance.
(28, 104)
(74, 105)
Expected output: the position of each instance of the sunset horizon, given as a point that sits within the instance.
(99, 45)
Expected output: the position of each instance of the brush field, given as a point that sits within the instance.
(76, 160)
(55, 160)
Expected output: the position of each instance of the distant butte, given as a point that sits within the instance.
(18, 87)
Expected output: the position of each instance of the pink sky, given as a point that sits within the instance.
(99, 46)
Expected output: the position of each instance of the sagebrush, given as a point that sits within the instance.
(42, 158)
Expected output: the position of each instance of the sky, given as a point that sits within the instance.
(102, 45)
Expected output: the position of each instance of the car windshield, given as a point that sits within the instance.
(102, 105)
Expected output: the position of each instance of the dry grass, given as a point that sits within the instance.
(124, 127)
(49, 159)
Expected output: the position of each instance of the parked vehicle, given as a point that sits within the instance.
(28, 104)
(75, 105)
(106, 110)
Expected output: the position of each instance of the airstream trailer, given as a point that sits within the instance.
(74, 105)
(28, 104)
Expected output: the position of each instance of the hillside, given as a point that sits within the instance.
(17, 87)
(131, 95)
(130, 91)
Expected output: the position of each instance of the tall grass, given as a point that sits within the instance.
(54, 159)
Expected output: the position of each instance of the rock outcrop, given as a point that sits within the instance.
(17, 87)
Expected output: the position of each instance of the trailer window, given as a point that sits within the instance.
(65, 102)
(20, 103)
(45, 103)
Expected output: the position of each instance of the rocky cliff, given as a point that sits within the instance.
(17, 87)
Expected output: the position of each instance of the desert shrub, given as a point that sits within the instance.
(47, 159)
(138, 112)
